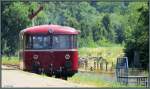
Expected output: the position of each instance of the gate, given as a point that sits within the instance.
(123, 76)
(122, 70)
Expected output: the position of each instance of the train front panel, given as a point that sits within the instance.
(58, 60)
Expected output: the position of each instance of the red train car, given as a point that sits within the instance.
(51, 49)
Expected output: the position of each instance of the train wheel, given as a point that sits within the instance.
(49, 74)
(57, 76)
(35, 69)
(64, 77)
(39, 70)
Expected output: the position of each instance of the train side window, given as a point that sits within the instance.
(28, 42)
(74, 41)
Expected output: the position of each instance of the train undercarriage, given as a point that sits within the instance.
(61, 72)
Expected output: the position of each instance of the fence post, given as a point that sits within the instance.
(86, 64)
(106, 65)
(98, 66)
(117, 70)
(111, 66)
(147, 81)
(94, 65)
(97, 62)
(127, 67)
(101, 66)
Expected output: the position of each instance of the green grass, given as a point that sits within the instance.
(94, 81)
(10, 60)
(91, 80)
(108, 53)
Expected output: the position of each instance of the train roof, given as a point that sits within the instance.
(53, 29)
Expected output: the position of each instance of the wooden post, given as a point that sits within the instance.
(97, 65)
(106, 65)
(86, 64)
(101, 65)
(94, 65)
(112, 65)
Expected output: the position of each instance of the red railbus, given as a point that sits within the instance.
(50, 49)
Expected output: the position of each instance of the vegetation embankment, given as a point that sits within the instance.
(108, 53)
(13, 60)
(92, 80)
(96, 81)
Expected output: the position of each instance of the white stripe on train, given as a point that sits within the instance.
(51, 50)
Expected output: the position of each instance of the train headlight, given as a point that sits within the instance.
(67, 56)
(35, 56)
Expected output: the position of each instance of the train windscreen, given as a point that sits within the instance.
(51, 42)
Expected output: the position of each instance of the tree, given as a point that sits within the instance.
(139, 41)
(14, 19)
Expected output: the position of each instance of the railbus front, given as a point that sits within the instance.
(50, 49)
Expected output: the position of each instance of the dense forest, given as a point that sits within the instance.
(101, 23)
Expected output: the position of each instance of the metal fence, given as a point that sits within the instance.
(124, 77)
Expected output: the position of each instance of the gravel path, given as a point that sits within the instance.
(17, 78)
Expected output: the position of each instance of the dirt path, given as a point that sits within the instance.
(16, 78)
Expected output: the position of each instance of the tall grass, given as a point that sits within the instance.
(108, 53)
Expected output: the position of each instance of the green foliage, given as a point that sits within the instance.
(100, 23)
(14, 19)
(10, 60)
(138, 40)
